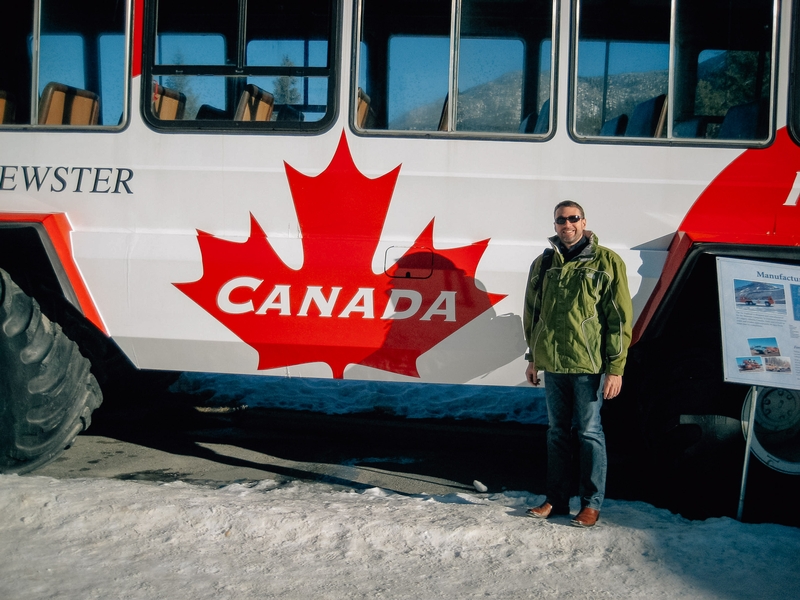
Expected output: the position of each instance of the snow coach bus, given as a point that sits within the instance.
(356, 189)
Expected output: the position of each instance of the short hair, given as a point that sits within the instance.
(569, 204)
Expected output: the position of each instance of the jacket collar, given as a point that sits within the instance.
(585, 254)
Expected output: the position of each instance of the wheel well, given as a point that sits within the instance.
(674, 384)
(28, 256)
(681, 350)
(677, 421)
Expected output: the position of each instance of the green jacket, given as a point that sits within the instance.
(579, 319)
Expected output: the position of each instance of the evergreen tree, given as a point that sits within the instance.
(285, 88)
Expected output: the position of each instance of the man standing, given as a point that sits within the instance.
(578, 327)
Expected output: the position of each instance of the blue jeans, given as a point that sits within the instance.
(575, 399)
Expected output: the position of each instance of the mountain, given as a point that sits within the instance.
(492, 107)
(724, 80)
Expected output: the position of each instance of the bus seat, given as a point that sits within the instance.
(290, 113)
(543, 120)
(362, 109)
(644, 121)
(615, 126)
(64, 105)
(255, 104)
(206, 112)
(694, 127)
(6, 107)
(538, 125)
(168, 104)
(744, 122)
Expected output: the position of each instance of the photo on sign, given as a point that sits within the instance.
(764, 346)
(795, 291)
(751, 295)
(750, 364)
(777, 364)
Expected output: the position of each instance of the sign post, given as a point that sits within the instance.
(748, 444)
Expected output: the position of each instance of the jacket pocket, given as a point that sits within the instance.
(593, 343)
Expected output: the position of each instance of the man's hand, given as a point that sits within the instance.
(531, 374)
(612, 386)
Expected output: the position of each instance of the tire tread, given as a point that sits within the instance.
(48, 393)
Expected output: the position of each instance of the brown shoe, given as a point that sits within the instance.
(586, 518)
(545, 510)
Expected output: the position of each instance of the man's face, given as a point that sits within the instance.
(569, 233)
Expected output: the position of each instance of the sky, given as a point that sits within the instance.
(61, 60)
(624, 57)
(419, 67)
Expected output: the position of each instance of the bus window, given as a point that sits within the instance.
(712, 82)
(75, 51)
(481, 70)
(491, 62)
(112, 78)
(61, 59)
(726, 86)
(189, 49)
(16, 31)
(266, 67)
(418, 76)
(614, 78)
(302, 97)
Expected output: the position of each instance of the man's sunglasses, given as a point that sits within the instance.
(571, 219)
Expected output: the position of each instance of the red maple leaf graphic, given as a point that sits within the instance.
(335, 309)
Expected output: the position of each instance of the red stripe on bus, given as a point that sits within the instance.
(58, 229)
(138, 33)
(750, 201)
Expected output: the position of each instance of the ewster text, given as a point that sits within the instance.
(90, 180)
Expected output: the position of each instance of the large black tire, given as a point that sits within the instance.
(47, 392)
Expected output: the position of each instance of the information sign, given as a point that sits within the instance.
(760, 314)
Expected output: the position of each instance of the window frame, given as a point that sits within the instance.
(454, 41)
(35, 97)
(332, 72)
(671, 140)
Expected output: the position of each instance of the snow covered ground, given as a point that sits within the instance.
(83, 539)
(106, 539)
